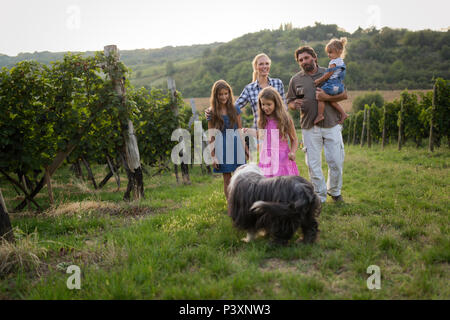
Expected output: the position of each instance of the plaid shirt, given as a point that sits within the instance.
(250, 94)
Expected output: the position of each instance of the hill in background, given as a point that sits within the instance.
(386, 59)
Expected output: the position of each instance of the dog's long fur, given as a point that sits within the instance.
(278, 205)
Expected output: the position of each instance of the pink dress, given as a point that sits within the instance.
(273, 157)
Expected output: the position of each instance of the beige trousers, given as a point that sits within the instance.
(329, 139)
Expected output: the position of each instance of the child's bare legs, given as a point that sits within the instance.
(226, 182)
(320, 109)
(341, 111)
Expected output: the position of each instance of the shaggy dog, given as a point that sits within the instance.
(277, 206)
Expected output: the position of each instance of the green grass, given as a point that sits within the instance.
(179, 243)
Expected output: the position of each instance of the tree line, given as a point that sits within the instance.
(385, 59)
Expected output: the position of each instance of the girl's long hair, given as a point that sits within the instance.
(255, 64)
(217, 120)
(283, 118)
(337, 45)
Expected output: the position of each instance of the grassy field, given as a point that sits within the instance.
(179, 243)
(388, 95)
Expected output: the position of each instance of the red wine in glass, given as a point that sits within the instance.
(299, 93)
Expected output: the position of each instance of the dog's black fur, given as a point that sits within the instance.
(278, 205)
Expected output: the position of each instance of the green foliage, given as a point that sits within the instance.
(26, 140)
(155, 122)
(390, 120)
(416, 117)
(247, 118)
(376, 59)
(376, 114)
(397, 59)
(232, 61)
(367, 99)
(438, 113)
(383, 59)
(84, 102)
(47, 108)
(43, 110)
(441, 109)
(412, 127)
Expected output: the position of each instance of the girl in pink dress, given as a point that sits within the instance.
(276, 158)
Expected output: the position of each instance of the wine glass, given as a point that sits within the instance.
(299, 92)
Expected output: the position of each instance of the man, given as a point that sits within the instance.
(326, 134)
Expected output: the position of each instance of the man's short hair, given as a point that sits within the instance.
(306, 49)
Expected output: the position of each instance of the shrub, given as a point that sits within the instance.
(369, 99)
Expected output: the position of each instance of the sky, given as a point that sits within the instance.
(89, 25)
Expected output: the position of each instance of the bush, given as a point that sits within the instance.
(369, 99)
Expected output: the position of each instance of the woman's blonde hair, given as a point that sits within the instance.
(337, 45)
(217, 120)
(255, 64)
(283, 118)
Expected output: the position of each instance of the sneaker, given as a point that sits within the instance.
(338, 198)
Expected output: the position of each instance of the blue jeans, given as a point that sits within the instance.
(333, 87)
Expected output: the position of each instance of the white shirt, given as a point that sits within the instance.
(339, 62)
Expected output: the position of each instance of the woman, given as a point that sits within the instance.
(261, 68)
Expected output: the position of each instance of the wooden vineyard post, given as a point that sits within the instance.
(28, 198)
(433, 109)
(5, 224)
(369, 138)
(89, 171)
(78, 170)
(25, 187)
(383, 137)
(204, 146)
(48, 181)
(192, 120)
(171, 86)
(363, 127)
(135, 181)
(400, 125)
(113, 171)
(173, 97)
(199, 146)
